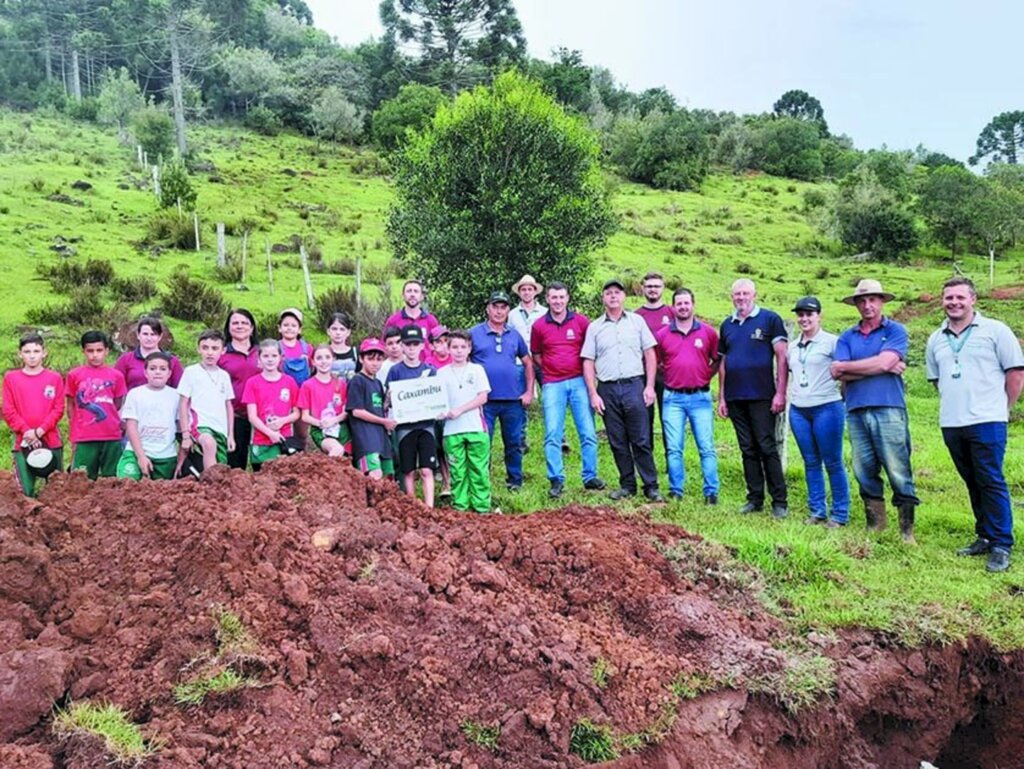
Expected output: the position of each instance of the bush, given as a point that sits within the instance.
(410, 110)
(263, 120)
(368, 316)
(673, 152)
(154, 130)
(175, 186)
(87, 109)
(67, 276)
(344, 266)
(168, 230)
(190, 299)
(133, 290)
(814, 199)
(83, 308)
(229, 272)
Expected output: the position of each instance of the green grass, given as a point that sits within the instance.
(122, 740)
(225, 671)
(601, 673)
(593, 743)
(482, 735)
(194, 692)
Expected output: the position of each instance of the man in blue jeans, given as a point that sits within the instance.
(688, 353)
(496, 345)
(978, 368)
(555, 342)
(869, 361)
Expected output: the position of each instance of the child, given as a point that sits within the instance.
(296, 353)
(466, 442)
(322, 403)
(417, 449)
(346, 360)
(33, 405)
(150, 417)
(270, 400)
(206, 416)
(94, 394)
(439, 357)
(371, 446)
(393, 349)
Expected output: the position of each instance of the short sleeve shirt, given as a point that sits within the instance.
(93, 392)
(209, 392)
(367, 393)
(810, 371)
(522, 320)
(462, 384)
(497, 353)
(133, 366)
(240, 367)
(276, 398)
(617, 347)
(748, 346)
(323, 398)
(156, 415)
(978, 394)
(880, 390)
(688, 359)
(559, 345)
(402, 372)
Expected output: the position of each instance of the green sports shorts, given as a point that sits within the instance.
(222, 443)
(98, 458)
(344, 437)
(27, 478)
(128, 467)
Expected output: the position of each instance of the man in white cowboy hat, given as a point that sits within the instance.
(869, 360)
(522, 317)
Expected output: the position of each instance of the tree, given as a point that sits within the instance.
(568, 78)
(253, 74)
(154, 130)
(457, 40)
(120, 98)
(655, 100)
(410, 110)
(335, 118)
(673, 152)
(866, 217)
(175, 186)
(947, 200)
(501, 182)
(800, 105)
(1001, 138)
(994, 212)
(787, 147)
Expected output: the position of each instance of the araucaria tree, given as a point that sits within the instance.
(501, 182)
(1002, 139)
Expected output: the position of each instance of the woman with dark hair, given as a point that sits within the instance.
(240, 360)
(132, 364)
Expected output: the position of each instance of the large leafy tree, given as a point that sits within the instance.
(1002, 139)
(867, 217)
(501, 182)
(800, 105)
(947, 200)
(410, 110)
(787, 147)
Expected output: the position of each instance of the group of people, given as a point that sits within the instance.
(247, 402)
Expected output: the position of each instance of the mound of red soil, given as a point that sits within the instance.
(405, 625)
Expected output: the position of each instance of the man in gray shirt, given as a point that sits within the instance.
(619, 366)
(978, 368)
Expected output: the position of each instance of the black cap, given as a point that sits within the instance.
(412, 333)
(613, 282)
(499, 297)
(808, 304)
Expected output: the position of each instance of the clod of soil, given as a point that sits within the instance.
(428, 638)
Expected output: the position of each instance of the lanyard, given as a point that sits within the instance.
(956, 347)
(803, 349)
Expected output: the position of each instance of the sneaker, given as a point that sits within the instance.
(594, 484)
(513, 487)
(445, 498)
(834, 524)
(675, 495)
(750, 507)
(998, 559)
(711, 499)
(618, 494)
(813, 520)
(566, 448)
(556, 490)
(779, 511)
(653, 495)
(980, 546)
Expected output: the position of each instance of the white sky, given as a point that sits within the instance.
(893, 72)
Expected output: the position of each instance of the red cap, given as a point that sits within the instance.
(372, 344)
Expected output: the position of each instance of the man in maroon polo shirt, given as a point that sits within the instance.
(688, 354)
(555, 341)
(657, 315)
(413, 313)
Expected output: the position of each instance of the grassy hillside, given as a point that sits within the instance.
(739, 225)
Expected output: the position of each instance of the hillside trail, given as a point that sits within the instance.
(380, 633)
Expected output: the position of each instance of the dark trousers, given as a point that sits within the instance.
(659, 402)
(629, 432)
(977, 452)
(754, 424)
(243, 435)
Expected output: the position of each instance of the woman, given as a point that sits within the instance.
(133, 363)
(241, 361)
(817, 415)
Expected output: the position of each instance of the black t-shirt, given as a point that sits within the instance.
(367, 393)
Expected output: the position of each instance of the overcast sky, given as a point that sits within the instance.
(893, 72)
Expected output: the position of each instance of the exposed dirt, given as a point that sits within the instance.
(374, 652)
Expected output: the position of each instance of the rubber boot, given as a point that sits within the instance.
(907, 524)
(874, 511)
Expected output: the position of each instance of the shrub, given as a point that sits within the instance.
(133, 290)
(263, 120)
(168, 230)
(410, 110)
(229, 272)
(83, 308)
(344, 266)
(368, 316)
(87, 109)
(67, 276)
(175, 186)
(191, 299)
(814, 199)
(154, 130)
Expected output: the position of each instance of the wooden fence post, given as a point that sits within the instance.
(195, 225)
(310, 303)
(270, 267)
(222, 251)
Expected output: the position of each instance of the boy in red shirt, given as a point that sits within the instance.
(33, 405)
(95, 393)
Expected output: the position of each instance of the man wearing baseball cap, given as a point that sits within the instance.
(496, 346)
(870, 359)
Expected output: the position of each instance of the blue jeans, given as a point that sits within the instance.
(819, 434)
(676, 409)
(880, 437)
(513, 419)
(977, 452)
(556, 398)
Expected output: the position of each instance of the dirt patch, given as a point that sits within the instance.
(418, 631)
(1007, 292)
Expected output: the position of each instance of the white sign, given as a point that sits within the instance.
(417, 400)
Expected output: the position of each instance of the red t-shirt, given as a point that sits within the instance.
(94, 414)
(278, 398)
(437, 363)
(559, 345)
(316, 395)
(34, 401)
(687, 358)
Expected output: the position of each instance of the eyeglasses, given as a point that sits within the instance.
(497, 344)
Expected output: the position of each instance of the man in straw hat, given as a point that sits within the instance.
(521, 318)
(869, 361)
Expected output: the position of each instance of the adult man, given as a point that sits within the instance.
(657, 315)
(556, 343)
(752, 390)
(869, 360)
(688, 354)
(413, 312)
(522, 318)
(495, 347)
(619, 366)
(978, 368)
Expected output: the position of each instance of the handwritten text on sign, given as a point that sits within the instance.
(417, 400)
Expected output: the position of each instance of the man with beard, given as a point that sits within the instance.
(413, 313)
(657, 315)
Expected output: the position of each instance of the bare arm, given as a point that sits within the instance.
(475, 403)
(132, 430)
(723, 408)
(531, 381)
(650, 372)
(781, 377)
(590, 377)
(1014, 385)
(184, 407)
(253, 412)
(886, 362)
(369, 416)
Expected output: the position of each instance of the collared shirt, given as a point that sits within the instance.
(978, 394)
(240, 367)
(133, 366)
(748, 346)
(617, 346)
(401, 319)
(522, 320)
(688, 358)
(656, 317)
(497, 353)
(810, 370)
(559, 345)
(880, 390)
